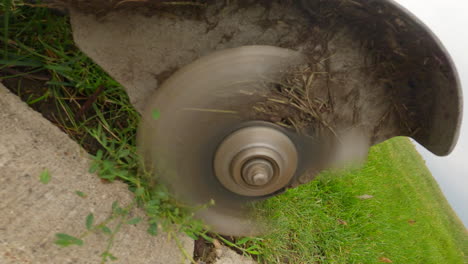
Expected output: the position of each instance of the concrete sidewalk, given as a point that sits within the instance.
(33, 212)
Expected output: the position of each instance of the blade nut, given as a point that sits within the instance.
(258, 172)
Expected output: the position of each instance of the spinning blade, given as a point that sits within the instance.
(194, 111)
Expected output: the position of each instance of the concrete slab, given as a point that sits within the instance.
(33, 212)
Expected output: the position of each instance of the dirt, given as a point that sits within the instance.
(44, 99)
(30, 89)
(204, 251)
(99, 7)
(216, 252)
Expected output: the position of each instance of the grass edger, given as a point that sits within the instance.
(243, 99)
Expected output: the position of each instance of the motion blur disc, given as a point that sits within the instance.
(194, 111)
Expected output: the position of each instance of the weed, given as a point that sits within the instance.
(117, 218)
(249, 246)
(65, 240)
(45, 176)
(81, 194)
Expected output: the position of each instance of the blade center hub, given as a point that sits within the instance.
(256, 161)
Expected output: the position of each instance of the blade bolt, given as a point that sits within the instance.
(260, 179)
(258, 172)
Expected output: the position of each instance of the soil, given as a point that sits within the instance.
(204, 252)
(32, 88)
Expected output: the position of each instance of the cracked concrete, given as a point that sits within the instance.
(33, 212)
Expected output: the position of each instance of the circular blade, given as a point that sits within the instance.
(194, 111)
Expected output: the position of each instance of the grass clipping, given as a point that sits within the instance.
(294, 104)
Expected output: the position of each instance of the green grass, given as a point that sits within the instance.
(407, 221)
